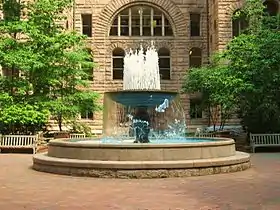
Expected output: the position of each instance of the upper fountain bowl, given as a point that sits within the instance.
(141, 98)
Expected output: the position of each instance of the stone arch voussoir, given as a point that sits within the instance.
(168, 45)
(233, 7)
(174, 14)
(199, 45)
(114, 45)
(134, 44)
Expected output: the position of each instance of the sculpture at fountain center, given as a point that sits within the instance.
(141, 125)
(141, 72)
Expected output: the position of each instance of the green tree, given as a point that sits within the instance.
(219, 90)
(250, 80)
(52, 61)
(254, 58)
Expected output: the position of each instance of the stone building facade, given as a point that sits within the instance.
(186, 32)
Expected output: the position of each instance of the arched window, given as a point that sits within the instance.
(118, 56)
(239, 23)
(164, 63)
(195, 58)
(271, 7)
(141, 20)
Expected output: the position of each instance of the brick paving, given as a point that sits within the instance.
(255, 189)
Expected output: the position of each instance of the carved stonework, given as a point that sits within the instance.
(135, 44)
(168, 7)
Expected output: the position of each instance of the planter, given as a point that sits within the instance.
(62, 135)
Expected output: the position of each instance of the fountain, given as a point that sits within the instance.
(143, 135)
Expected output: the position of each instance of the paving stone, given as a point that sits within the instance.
(254, 189)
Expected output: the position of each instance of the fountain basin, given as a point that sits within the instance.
(130, 160)
(94, 150)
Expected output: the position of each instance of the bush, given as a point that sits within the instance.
(22, 119)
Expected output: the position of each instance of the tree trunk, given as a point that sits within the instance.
(59, 122)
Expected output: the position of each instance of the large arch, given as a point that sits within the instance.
(233, 7)
(238, 5)
(272, 7)
(136, 21)
(174, 14)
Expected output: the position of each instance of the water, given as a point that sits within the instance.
(108, 140)
(165, 112)
(159, 141)
(141, 71)
(142, 112)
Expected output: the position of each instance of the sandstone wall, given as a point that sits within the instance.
(178, 13)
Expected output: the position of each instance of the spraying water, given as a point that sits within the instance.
(141, 71)
(148, 114)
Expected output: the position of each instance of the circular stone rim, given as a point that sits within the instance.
(239, 157)
(239, 162)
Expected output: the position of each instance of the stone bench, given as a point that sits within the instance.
(264, 140)
(19, 141)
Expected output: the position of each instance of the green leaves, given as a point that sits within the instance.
(251, 79)
(23, 114)
(218, 88)
(11, 10)
(54, 64)
(21, 117)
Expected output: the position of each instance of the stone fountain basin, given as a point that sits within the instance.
(128, 160)
(94, 150)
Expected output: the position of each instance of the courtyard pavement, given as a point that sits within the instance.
(255, 189)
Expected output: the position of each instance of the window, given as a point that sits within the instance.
(67, 24)
(164, 63)
(215, 25)
(239, 24)
(12, 11)
(118, 56)
(271, 7)
(122, 115)
(87, 115)
(195, 24)
(141, 21)
(195, 108)
(89, 69)
(87, 24)
(6, 72)
(195, 58)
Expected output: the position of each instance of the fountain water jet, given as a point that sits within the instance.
(141, 71)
